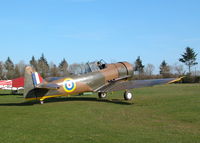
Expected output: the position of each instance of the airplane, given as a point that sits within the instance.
(14, 85)
(100, 77)
(5, 84)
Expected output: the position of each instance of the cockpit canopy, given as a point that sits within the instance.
(95, 66)
(78, 69)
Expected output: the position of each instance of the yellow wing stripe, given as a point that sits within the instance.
(44, 97)
(178, 79)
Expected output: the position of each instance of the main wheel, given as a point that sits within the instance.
(102, 94)
(128, 95)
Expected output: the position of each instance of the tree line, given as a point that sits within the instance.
(9, 70)
(189, 58)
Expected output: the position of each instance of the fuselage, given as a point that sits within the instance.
(90, 82)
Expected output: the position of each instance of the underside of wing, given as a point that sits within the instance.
(122, 85)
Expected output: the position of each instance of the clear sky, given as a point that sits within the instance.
(87, 30)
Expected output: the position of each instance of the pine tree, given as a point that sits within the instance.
(63, 66)
(43, 67)
(189, 58)
(34, 63)
(164, 69)
(9, 66)
(139, 67)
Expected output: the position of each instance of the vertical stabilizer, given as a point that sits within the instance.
(31, 80)
(37, 79)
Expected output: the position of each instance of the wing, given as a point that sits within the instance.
(122, 85)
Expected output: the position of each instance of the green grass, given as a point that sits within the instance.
(160, 114)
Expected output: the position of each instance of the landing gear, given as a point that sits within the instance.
(128, 95)
(102, 94)
(41, 102)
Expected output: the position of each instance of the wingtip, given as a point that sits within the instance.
(176, 80)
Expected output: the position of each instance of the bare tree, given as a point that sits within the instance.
(54, 71)
(178, 69)
(21, 65)
(16, 71)
(148, 70)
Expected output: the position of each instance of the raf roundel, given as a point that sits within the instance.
(69, 85)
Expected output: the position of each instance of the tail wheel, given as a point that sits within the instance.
(102, 94)
(128, 95)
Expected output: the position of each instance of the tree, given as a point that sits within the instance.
(16, 71)
(149, 69)
(43, 67)
(1, 70)
(189, 58)
(178, 69)
(21, 65)
(34, 63)
(164, 69)
(53, 70)
(9, 66)
(63, 67)
(139, 67)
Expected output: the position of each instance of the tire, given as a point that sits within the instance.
(128, 95)
(102, 95)
(14, 91)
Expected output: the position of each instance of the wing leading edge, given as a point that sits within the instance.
(116, 86)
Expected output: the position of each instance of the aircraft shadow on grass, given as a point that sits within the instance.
(71, 99)
(10, 94)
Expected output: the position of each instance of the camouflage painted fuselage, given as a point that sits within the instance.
(90, 82)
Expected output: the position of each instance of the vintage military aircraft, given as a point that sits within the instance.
(100, 77)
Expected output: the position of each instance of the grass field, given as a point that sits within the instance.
(160, 114)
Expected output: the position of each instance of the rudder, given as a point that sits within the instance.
(31, 80)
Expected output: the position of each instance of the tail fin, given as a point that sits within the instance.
(32, 79)
(37, 79)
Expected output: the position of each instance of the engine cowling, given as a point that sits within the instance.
(124, 69)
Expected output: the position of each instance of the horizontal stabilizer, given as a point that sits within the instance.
(49, 86)
(50, 79)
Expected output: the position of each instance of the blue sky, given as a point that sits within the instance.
(87, 30)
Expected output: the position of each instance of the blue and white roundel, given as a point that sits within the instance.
(69, 85)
